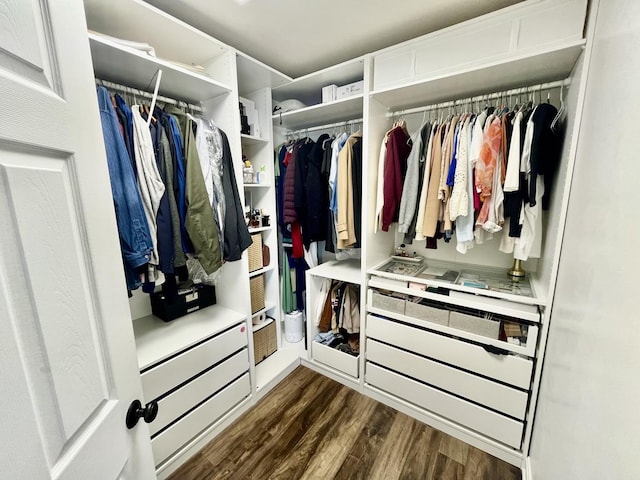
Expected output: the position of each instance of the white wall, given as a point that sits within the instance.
(588, 419)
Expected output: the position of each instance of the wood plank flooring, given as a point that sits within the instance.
(311, 427)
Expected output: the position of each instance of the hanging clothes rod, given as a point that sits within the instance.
(355, 121)
(142, 93)
(489, 96)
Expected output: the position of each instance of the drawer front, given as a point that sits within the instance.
(506, 368)
(496, 396)
(168, 375)
(474, 417)
(194, 392)
(335, 359)
(178, 434)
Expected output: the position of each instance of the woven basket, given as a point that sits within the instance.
(255, 252)
(264, 342)
(256, 286)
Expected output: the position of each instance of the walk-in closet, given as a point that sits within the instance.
(397, 251)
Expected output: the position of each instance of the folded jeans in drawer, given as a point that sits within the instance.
(466, 414)
(186, 397)
(510, 369)
(189, 426)
(167, 375)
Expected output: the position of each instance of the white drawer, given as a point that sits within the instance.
(494, 395)
(165, 376)
(189, 426)
(474, 417)
(194, 392)
(506, 368)
(335, 359)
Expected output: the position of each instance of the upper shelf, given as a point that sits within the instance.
(157, 340)
(341, 110)
(308, 88)
(536, 67)
(138, 21)
(254, 75)
(116, 63)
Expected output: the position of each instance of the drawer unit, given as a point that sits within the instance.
(183, 399)
(497, 396)
(335, 359)
(189, 426)
(510, 369)
(494, 425)
(167, 375)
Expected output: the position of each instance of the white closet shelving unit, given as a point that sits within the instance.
(255, 81)
(424, 359)
(200, 367)
(321, 118)
(413, 356)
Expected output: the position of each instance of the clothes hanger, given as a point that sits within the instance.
(556, 120)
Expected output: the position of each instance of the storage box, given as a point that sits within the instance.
(265, 341)
(329, 93)
(355, 88)
(387, 302)
(472, 324)
(255, 252)
(188, 300)
(424, 311)
(256, 286)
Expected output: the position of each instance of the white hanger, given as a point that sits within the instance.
(554, 123)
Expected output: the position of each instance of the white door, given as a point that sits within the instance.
(68, 369)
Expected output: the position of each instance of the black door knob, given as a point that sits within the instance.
(136, 411)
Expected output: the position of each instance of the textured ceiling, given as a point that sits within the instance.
(302, 36)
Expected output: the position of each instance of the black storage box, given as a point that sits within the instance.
(188, 300)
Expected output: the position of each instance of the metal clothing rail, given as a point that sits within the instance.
(142, 93)
(346, 123)
(474, 98)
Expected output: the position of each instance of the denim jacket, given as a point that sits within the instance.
(135, 239)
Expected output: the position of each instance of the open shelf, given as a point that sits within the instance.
(119, 64)
(266, 269)
(257, 185)
(268, 306)
(308, 88)
(344, 109)
(260, 229)
(157, 340)
(252, 140)
(254, 75)
(540, 66)
(171, 38)
(343, 270)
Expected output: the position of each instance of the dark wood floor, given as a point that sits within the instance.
(311, 427)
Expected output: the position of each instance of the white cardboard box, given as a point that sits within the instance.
(355, 88)
(329, 93)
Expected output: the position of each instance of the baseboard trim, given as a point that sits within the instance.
(527, 474)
